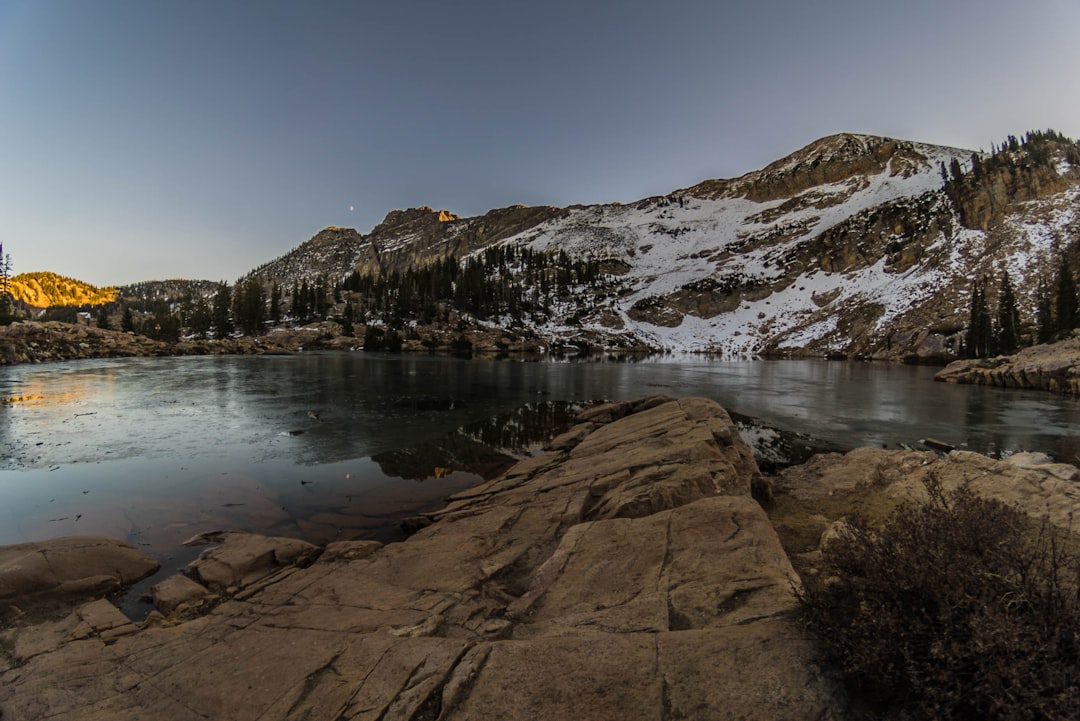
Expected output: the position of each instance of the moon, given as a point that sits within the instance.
(350, 208)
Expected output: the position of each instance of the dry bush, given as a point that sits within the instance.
(956, 609)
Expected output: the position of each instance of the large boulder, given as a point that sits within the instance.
(70, 566)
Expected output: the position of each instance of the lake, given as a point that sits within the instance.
(329, 446)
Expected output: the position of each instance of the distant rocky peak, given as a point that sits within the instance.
(832, 159)
(334, 234)
(397, 218)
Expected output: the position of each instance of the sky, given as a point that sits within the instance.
(199, 139)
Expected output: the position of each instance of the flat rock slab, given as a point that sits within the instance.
(626, 575)
(70, 566)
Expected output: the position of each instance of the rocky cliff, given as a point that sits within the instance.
(405, 238)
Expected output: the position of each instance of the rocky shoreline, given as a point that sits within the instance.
(630, 572)
(1053, 367)
(39, 342)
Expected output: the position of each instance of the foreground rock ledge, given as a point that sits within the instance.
(626, 574)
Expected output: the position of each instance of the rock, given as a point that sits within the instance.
(177, 591)
(70, 566)
(98, 620)
(243, 558)
(1053, 367)
(874, 481)
(627, 575)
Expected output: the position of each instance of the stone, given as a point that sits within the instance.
(175, 592)
(1051, 367)
(873, 481)
(70, 566)
(242, 558)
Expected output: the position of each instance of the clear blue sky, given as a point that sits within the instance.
(145, 140)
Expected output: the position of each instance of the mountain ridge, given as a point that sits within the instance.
(855, 245)
(45, 289)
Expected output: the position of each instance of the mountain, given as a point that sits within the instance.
(45, 290)
(854, 246)
(144, 294)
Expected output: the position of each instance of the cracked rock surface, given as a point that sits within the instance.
(625, 574)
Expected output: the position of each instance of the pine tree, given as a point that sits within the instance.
(7, 301)
(275, 304)
(249, 306)
(5, 272)
(301, 304)
(1065, 318)
(347, 318)
(1045, 314)
(957, 171)
(220, 313)
(127, 321)
(980, 330)
(1008, 321)
(201, 320)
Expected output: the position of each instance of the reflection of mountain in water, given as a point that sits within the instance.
(775, 448)
(486, 447)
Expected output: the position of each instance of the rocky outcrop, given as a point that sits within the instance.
(811, 497)
(1053, 367)
(832, 159)
(625, 574)
(414, 237)
(71, 566)
(989, 198)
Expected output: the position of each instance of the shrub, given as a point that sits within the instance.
(956, 609)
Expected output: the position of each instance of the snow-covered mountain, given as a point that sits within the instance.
(854, 246)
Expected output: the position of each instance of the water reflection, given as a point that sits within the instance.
(330, 445)
(486, 447)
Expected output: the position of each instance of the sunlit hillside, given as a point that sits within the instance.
(44, 290)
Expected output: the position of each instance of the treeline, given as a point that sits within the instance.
(1037, 148)
(1056, 314)
(508, 284)
(511, 283)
